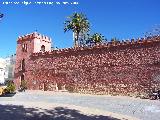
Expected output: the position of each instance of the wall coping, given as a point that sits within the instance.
(127, 43)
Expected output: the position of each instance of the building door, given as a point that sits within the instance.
(45, 88)
(22, 77)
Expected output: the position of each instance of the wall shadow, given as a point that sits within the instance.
(15, 112)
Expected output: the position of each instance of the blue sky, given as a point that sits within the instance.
(113, 18)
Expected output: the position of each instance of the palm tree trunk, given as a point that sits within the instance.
(76, 36)
(74, 39)
(77, 39)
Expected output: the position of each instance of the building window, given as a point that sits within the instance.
(43, 48)
(23, 64)
(24, 47)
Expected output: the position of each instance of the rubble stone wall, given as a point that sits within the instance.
(126, 68)
(115, 68)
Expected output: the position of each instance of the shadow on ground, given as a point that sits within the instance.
(8, 95)
(14, 112)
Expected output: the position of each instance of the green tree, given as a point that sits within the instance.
(95, 38)
(79, 24)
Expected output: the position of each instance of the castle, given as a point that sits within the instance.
(117, 68)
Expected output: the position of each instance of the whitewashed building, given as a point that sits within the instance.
(7, 69)
(2, 73)
(2, 70)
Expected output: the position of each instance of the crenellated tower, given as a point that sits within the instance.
(26, 45)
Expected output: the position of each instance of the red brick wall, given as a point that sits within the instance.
(127, 68)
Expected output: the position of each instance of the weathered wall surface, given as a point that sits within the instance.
(121, 68)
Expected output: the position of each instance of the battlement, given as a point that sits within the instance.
(117, 68)
(34, 35)
(108, 45)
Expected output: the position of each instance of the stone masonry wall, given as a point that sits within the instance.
(127, 68)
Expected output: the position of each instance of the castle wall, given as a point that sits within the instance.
(117, 68)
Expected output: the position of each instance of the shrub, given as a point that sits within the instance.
(70, 88)
(144, 95)
(10, 87)
(23, 85)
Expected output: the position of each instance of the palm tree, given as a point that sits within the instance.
(95, 38)
(79, 24)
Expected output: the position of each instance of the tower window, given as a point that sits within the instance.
(23, 64)
(24, 47)
(43, 48)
